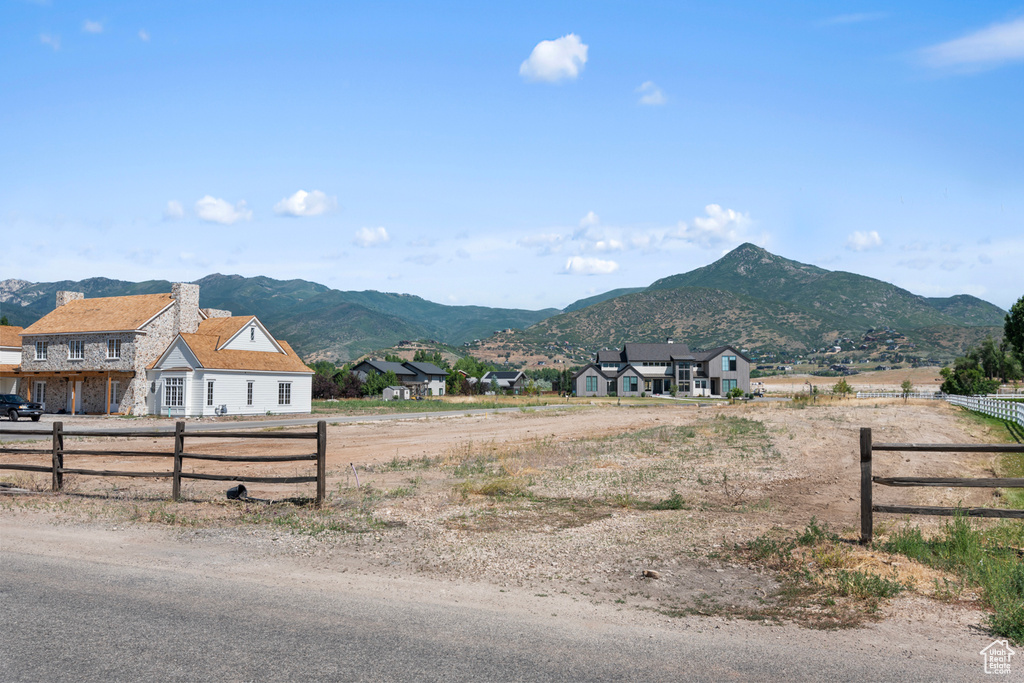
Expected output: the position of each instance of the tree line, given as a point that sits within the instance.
(983, 368)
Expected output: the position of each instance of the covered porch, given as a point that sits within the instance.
(75, 393)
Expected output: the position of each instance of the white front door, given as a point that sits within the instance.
(115, 396)
(74, 394)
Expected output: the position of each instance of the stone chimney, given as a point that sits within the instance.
(216, 313)
(186, 307)
(63, 297)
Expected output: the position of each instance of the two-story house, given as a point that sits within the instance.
(652, 369)
(98, 355)
(423, 379)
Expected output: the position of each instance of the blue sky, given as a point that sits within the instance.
(521, 155)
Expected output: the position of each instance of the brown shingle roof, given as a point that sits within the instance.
(204, 346)
(225, 328)
(106, 314)
(9, 335)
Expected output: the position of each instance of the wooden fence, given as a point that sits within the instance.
(57, 451)
(930, 395)
(867, 509)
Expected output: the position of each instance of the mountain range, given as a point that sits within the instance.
(749, 297)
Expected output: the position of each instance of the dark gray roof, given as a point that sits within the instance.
(503, 374)
(634, 353)
(610, 356)
(426, 368)
(708, 355)
(383, 366)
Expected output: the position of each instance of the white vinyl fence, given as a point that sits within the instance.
(1011, 411)
(937, 395)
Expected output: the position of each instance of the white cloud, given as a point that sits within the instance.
(589, 220)
(174, 210)
(863, 241)
(304, 203)
(555, 60)
(52, 41)
(92, 26)
(143, 35)
(650, 94)
(720, 226)
(371, 237)
(583, 265)
(609, 245)
(220, 211)
(988, 47)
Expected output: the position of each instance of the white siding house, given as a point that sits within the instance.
(10, 357)
(230, 366)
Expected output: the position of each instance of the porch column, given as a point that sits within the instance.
(73, 383)
(108, 393)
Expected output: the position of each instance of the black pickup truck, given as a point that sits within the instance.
(13, 406)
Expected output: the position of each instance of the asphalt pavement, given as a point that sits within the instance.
(85, 620)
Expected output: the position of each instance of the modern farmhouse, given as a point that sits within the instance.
(423, 379)
(117, 355)
(650, 369)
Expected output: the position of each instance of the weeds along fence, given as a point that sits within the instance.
(867, 508)
(58, 451)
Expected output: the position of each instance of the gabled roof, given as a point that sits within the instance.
(225, 328)
(637, 353)
(425, 368)
(708, 355)
(205, 348)
(105, 314)
(383, 366)
(10, 335)
(503, 374)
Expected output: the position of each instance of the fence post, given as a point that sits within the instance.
(58, 456)
(321, 462)
(179, 446)
(866, 522)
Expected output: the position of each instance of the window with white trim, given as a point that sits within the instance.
(41, 348)
(284, 393)
(115, 393)
(76, 349)
(113, 349)
(209, 392)
(39, 393)
(174, 392)
(248, 393)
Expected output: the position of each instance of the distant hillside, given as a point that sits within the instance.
(590, 301)
(757, 299)
(699, 316)
(861, 301)
(319, 322)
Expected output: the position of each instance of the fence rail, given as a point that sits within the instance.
(1011, 411)
(57, 451)
(931, 395)
(867, 508)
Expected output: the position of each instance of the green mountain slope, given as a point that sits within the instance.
(699, 316)
(757, 299)
(861, 301)
(320, 322)
(590, 301)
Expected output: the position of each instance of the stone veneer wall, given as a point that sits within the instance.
(186, 309)
(137, 352)
(216, 313)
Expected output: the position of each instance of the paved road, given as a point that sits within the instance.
(90, 620)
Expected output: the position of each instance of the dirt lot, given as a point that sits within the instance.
(581, 501)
